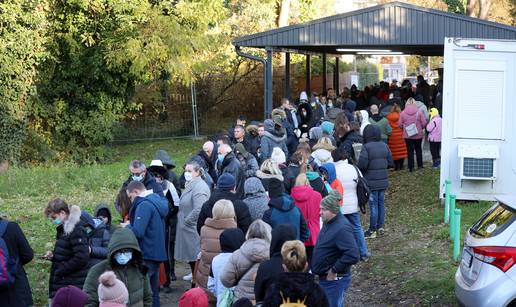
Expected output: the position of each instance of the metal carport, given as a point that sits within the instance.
(395, 26)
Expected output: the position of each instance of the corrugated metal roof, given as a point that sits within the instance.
(395, 26)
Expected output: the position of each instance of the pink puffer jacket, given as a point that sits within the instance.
(411, 115)
(434, 129)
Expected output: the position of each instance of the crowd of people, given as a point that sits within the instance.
(264, 214)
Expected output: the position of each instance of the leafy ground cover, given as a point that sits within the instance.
(411, 263)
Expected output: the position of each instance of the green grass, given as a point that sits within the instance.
(418, 256)
(413, 260)
(24, 193)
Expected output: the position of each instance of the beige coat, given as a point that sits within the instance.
(240, 271)
(210, 246)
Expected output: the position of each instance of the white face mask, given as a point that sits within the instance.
(330, 105)
(188, 176)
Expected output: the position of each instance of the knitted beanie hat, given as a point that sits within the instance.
(332, 202)
(112, 290)
(278, 156)
(226, 182)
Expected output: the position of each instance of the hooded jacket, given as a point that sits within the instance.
(305, 123)
(317, 183)
(383, 124)
(346, 142)
(434, 128)
(19, 294)
(374, 160)
(133, 274)
(296, 286)
(231, 165)
(321, 156)
(167, 161)
(147, 218)
(243, 217)
(230, 240)
(242, 265)
(347, 175)
(104, 208)
(364, 122)
(396, 142)
(272, 138)
(269, 270)
(256, 198)
(284, 211)
(335, 184)
(412, 115)
(308, 201)
(71, 254)
(98, 238)
(210, 246)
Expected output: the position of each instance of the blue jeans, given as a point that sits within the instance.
(354, 219)
(377, 205)
(154, 280)
(336, 290)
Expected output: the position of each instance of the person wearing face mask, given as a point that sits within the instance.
(138, 172)
(228, 163)
(305, 115)
(98, 238)
(195, 194)
(147, 221)
(71, 253)
(125, 259)
(159, 172)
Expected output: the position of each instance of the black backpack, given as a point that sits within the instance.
(363, 191)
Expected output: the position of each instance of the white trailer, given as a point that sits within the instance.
(479, 118)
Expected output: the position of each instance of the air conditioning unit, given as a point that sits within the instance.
(478, 162)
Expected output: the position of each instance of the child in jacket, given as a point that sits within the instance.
(434, 128)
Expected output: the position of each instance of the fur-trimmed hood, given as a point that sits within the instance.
(279, 112)
(252, 129)
(73, 219)
(263, 175)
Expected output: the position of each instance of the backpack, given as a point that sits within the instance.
(7, 262)
(363, 191)
(287, 303)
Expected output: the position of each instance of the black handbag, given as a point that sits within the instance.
(363, 191)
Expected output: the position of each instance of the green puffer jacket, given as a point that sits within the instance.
(133, 275)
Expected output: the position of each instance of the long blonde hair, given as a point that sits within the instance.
(270, 167)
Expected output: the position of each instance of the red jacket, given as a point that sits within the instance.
(308, 201)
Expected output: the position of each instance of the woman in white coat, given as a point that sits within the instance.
(348, 175)
(196, 193)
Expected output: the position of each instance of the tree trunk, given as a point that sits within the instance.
(284, 12)
(485, 5)
(470, 8)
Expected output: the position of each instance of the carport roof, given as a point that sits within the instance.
(395, 26)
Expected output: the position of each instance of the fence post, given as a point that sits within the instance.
(452, 220)
(447, 191)
(456, 240)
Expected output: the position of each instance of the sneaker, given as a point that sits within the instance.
(173, 276)
(187, 277)
(366, 257)
(381, 231)
(166, 289)
(370, 234)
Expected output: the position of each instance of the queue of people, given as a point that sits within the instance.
(264, 214)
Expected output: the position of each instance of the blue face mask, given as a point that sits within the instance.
(57, 221)
(137, 178)
(123, 258)
(220, 157)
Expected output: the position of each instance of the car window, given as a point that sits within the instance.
(494, 221)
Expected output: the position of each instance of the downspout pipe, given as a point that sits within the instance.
(265, 75)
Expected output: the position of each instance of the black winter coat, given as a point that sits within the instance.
(98, 242)
(210, 162)
(71, 254)
(346, 142)
(375, 158)
(269, 270)
(232, 166)
(19, 294)
(298, 287)
(241, 210)
(290, 176)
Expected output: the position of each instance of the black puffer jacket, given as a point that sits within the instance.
(210, 162)
(346, 142)
(269, 270)
(375, 158)
(296, 287)
(19, 294)
(241, 210)
(71, 254)
(98, 238)
(232, 166)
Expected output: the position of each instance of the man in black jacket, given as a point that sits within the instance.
(226, 190)
(335, 251)
(18, 294)
(228, 163)
(139, 173)
(375, 158)
(269, 270)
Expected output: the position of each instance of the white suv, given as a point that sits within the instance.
(487, 272)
